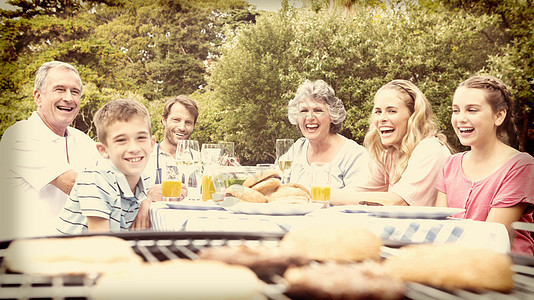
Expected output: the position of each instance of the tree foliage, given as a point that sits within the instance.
(513, 61)
(154, 49)
(243, 67)
(356, 52)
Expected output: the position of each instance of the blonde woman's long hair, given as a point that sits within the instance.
(421, 125)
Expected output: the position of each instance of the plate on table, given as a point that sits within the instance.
(273, 208)
(407, 212)
(194, 205)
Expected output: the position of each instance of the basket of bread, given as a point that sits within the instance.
(262, 192)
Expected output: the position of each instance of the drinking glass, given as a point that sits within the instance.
(211, 157)
(210, 154)
(284, 156)
(320, 187)
(171, 185)
(227, 152)
(188, 161)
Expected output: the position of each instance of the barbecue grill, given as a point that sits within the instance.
(159, 246)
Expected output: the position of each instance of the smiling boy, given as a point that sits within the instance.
(108, 198)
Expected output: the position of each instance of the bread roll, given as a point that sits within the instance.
(453, 266)
(245, 194)
(71, 255)
(290, 190)
(267, 186)
(180, 279)
(337, 242)
(298, 186)
(260, 176)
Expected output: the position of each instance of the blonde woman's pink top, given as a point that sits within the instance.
(417, 185)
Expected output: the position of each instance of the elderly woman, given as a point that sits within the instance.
(319, 114)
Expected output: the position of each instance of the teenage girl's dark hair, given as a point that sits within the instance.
(498, 97)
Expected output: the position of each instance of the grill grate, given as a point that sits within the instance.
(160, 246)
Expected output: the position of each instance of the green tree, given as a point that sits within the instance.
(167, 44)
(40, 31)
(513, 62)
(155, 48)
(262, 65)
(248, 88)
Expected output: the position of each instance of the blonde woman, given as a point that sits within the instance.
(405, 147)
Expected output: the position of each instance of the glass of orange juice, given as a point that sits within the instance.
(207, 186)
(171, 186)
(320, 188)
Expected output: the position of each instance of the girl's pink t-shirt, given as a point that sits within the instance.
(511, 184)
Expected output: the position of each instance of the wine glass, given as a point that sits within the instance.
(211, 154)
(284, 156)
(188, 162)
(227, 152)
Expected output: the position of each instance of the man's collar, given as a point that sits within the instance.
(164, 150)
(36, 119)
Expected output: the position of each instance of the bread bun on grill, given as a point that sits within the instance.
(453, 266)
(70, 255)
(335, 242)
(245, 194)
(180, 279)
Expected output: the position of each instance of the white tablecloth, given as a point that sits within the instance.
(465, 232)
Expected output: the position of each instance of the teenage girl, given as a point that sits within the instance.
(493, 181)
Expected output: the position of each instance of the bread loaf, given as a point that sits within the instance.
(336, 242)
(453, 266)
(180, 279)
(70, 255)
(245, 194)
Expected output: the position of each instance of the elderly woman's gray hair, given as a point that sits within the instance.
(319, 91)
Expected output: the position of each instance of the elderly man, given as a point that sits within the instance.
(43, 155)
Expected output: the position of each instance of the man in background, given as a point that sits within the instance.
(179, 119)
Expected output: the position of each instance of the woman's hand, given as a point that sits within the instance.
(350, 197)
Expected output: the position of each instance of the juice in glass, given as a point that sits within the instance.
(207, 187)
(320, 187)
(171, 188)
(320, 193)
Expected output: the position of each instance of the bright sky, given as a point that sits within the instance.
(271, 5)
(4, 5)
